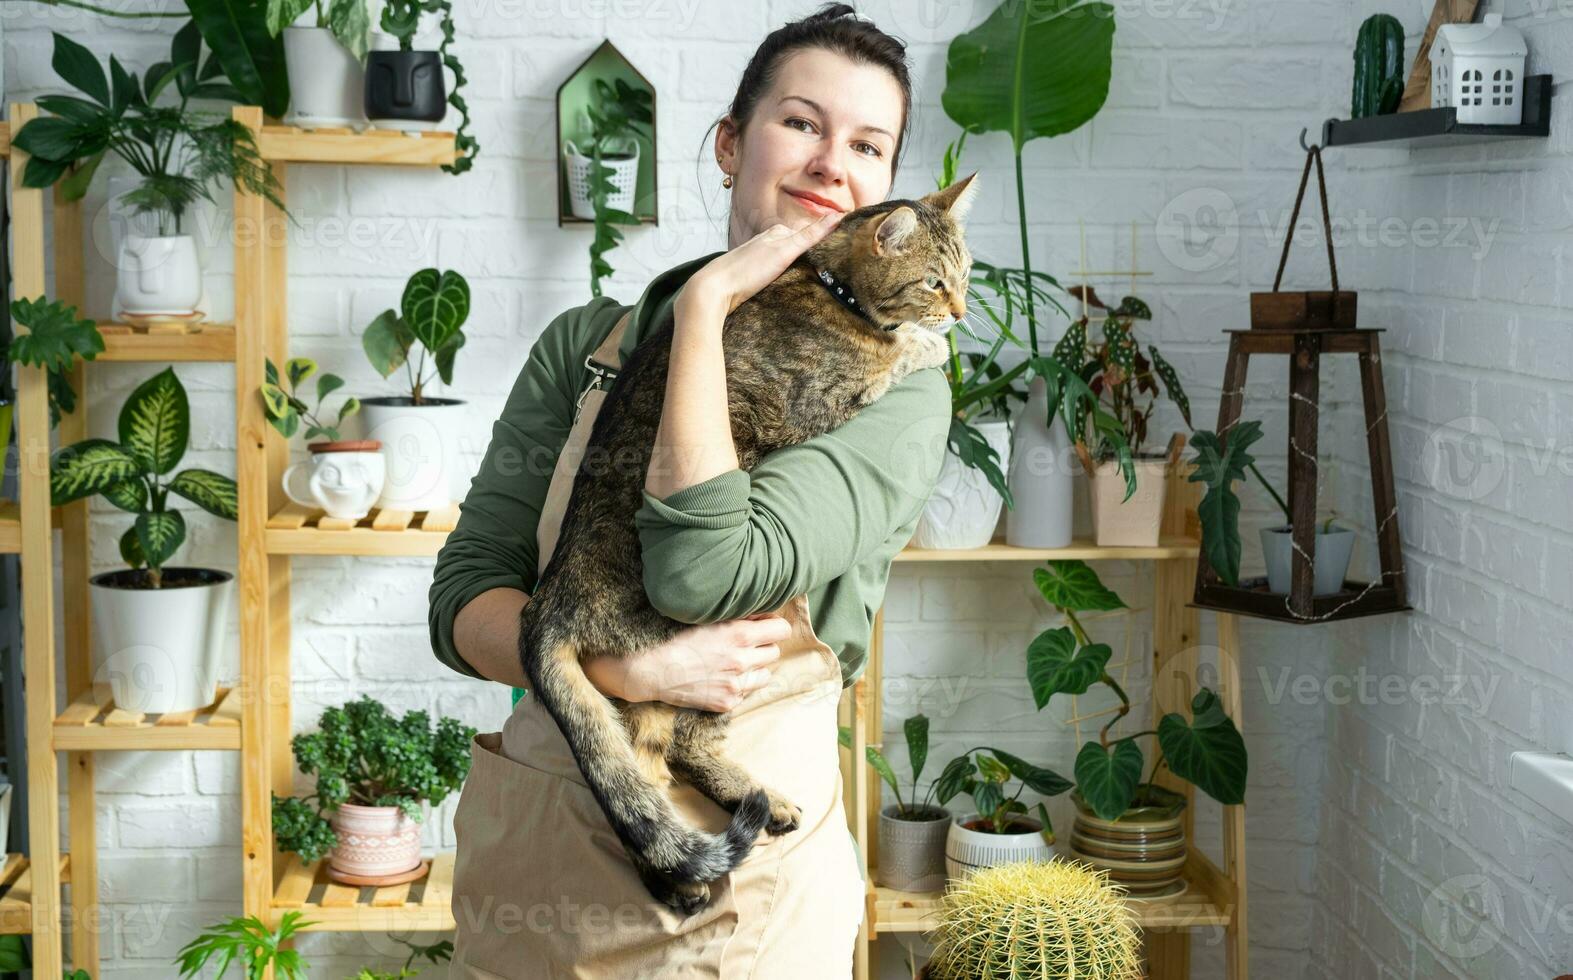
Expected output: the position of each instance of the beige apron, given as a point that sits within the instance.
(542, 889)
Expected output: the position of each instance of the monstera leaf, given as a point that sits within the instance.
(1107, 778)
(1207, 750)
(1031, 69)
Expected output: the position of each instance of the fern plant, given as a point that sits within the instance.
(154, 426)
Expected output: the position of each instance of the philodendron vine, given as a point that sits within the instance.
(1205, 750)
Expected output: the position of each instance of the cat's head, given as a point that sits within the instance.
(906, 261)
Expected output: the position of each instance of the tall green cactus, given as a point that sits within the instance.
(1379, 67)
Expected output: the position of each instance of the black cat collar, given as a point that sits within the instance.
(844, 294)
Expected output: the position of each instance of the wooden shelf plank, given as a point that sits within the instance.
(16, 893)
(998, 550)
(214, 342)
(422, 904)
(93, 723)
(292, 144)
(296, 530)
(1440, 127)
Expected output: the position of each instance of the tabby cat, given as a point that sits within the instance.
(800, 360)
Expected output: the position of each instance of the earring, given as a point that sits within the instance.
(726, 181)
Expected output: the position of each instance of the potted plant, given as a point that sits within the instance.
(998, 830)
(603, 172)
(1053, 920)
(438, 952)
(373, 773)
(1131, 827)
(405, 87)
(344, 476)
(911, 834)
(1220, 462)
(158, 629)
(418, 432)
(325, 63)
(996, 80)
(178, 153)
(1127, 383)
(56, 336)
(247, 942)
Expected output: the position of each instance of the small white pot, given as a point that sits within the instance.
(157, 274)
(1132, 523)
(967, 850)
(1330, 563)
(159, 649)
(1042, 468)
(374, 840)
(342, 478)
(964, 509)
(419, 448)
(625, 177)
(327, 84)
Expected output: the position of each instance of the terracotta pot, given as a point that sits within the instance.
(968, 850)
(374, 840)
(1143, 849)
(1132, 523)
(912, 851)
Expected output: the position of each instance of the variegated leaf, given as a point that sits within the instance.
(435, 305)
(1071, 351)
(160, 534)
(299, 369)
(131, 548)
(156, 421)
(88, 467)
(128, 495)
(1171, 382)
(213, 492)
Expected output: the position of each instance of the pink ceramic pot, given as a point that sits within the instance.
(374, 840)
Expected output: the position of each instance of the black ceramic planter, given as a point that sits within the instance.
(405, 85)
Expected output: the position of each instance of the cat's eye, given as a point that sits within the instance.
(932, 282)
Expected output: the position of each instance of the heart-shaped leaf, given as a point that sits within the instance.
(986, 796)
(992, 769)
(387, 341)
(1075, 586)
(953, 778)
(435, 305)
(1056, 666)
(1207, 750)
(1107, 778)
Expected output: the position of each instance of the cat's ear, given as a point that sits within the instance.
(893, 228)
(956, 200)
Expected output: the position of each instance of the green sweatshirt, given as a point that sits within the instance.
(824, 517)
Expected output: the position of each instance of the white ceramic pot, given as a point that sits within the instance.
(964, 509)
(326, 83)
(1042, 467)
(968, 850)
(912, 852)
(1132, 523)
(419, 449)
(342, 478)
(159, 649)
(625, 178)
(1330, 564)
(374, 840)
(158, 274)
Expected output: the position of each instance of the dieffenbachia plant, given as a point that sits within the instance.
(432, 311)
(155, 424)
(1205, 749)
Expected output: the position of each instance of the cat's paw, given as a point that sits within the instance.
(688, 897)
(923, 348)
(785, 816)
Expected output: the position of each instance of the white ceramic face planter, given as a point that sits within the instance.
(344, 484)
(158, 275)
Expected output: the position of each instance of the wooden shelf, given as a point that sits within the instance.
(292, 144)
(297, 530)
(92, 723)
(16, 893)
(1440, 127)
(1085, 550)
(10, 528)
(1207, 902)
(214, 342)
(420, 905)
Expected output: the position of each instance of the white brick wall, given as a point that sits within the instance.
(1360, 809)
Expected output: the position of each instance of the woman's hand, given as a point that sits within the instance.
(729, 279)
(710, 667)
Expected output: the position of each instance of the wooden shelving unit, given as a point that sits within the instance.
(243, 718)
(1216, 896)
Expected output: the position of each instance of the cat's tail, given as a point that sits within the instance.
(649, 826)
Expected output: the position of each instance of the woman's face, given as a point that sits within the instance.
(822, 138)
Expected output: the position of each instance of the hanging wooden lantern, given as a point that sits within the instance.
(1304, 326)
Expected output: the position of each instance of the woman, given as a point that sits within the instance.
(542, 888)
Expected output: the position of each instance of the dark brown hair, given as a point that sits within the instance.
(834, 27)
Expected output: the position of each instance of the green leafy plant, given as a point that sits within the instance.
(1219, 462)
(361, 754)
(618, 112)
(440, 952)
(1125, 380)
(247, 942)
(401, 18)
(432, 311)
(55, 338)
(986, 778)
(252, 59)
(14, 958)
(285, 409)
(180, 153)
(1205, 749)
(916, 730)
(155, 424)
(349, 21)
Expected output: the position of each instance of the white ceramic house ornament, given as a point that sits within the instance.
(1479, 70)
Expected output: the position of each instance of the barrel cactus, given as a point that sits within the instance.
(1379, 67)
(1040, 919)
